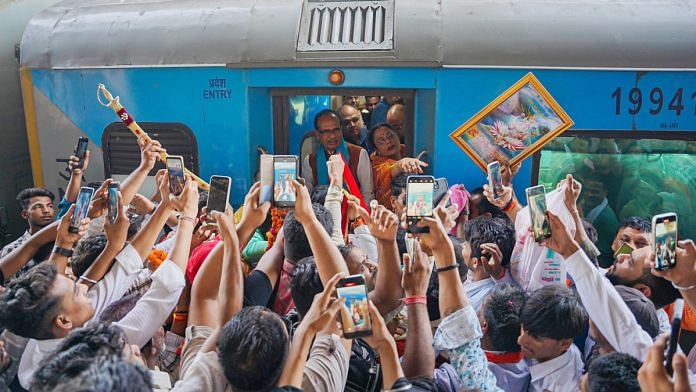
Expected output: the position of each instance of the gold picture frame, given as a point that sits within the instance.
(513, 126)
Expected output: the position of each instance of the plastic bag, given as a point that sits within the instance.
(531, 264)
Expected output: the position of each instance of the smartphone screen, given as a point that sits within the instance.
(81, 149)
(355, 314)
(665, 240)
(536, 199)
(113, 201)
(284, 172)
(175, 170)
(81, 208)
(419, 200)
(219, 193)
(495, 181)
(266, 178)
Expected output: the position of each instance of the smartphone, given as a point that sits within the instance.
(419, 201)
(218, 195)
(355, 313)
(664, 240)
(624, 249)
(674, 335)
(175, 171)
(81, 150)
(81, 208)
(440, 189)
(495, 181)
(113, 201)
(536, 200)
(284, 172)
(266, 179)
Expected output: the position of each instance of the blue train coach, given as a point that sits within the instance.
(219, 81)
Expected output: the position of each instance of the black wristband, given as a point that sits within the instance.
(448, 268)
(62, 251)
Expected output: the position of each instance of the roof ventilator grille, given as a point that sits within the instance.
(346, 25)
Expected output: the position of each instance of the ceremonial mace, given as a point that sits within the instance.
(129, 121)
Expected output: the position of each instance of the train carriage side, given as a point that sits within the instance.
(217, 97)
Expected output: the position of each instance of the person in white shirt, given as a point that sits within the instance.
(551, 318)
(46, 305)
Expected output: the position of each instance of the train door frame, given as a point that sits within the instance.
(280, 111)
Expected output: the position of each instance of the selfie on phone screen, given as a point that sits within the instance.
(536, 197)
(420, 199)
(175, 170)
(81, 207)
(665, 228)
(284, 172)
(355, 314)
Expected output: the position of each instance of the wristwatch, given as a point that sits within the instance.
(62, 251)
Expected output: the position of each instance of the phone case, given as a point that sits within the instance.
(266, 179)
(440, 188)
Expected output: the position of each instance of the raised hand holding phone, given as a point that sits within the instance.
(355, 313)
(218, 195)
(419, 201)
(81, 155)
(175, 173)
(495, 181)
(113, 196)
(664, 241)
(284, 174)
(653, 376)
(116, 229)
(84, 199)
(536, 200)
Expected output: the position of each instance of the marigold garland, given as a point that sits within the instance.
(277, 220)
(156, 258)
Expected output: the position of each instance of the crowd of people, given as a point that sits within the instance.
(169, 297)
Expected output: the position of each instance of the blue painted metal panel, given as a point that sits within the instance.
(230, 124)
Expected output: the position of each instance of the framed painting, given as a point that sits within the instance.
(513, 126)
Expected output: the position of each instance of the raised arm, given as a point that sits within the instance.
(231, 291)
(116, 234)
(334, 196)
(383, 225)
(65, 240)
(382, 341)
(146, 237)
(419, 357)
(76, 173)
(18, 258)
(327, 256)
(683, 275)
(149, 154)
(253, 215)
(320, 315)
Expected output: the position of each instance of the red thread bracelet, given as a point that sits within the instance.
(416, 299)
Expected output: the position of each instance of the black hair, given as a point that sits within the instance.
(134, 226)
(296, 242)
(252, 349)
(636, 223)
(501, 310)
(486, 206)
(26, 194)
(27, 307)
(305, 284)
(398, 184)
(553, 312)
(484, 230)
(77, 352)
(118, 309)
(614, 372)
(110, 374)
(86, 251)
(318, 194)
(325, 113)
(373, 130)
(458, 245)
(662, 292)
(202, 200)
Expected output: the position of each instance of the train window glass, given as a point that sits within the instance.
(625, 177)
(122, 154)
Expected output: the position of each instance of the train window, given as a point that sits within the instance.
(641, 175)
(122, 154)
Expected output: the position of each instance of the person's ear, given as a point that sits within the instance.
(565, 344)
(645, 289)
(484, 326)
(24, 214)
(63, 321)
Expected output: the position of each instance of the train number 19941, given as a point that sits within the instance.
(657, 100)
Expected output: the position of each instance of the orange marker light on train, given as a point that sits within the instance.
(336, 77)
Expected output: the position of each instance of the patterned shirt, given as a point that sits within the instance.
(14, 245)
(460, 334)
(283, 302)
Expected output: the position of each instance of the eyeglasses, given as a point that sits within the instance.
(390, 136)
